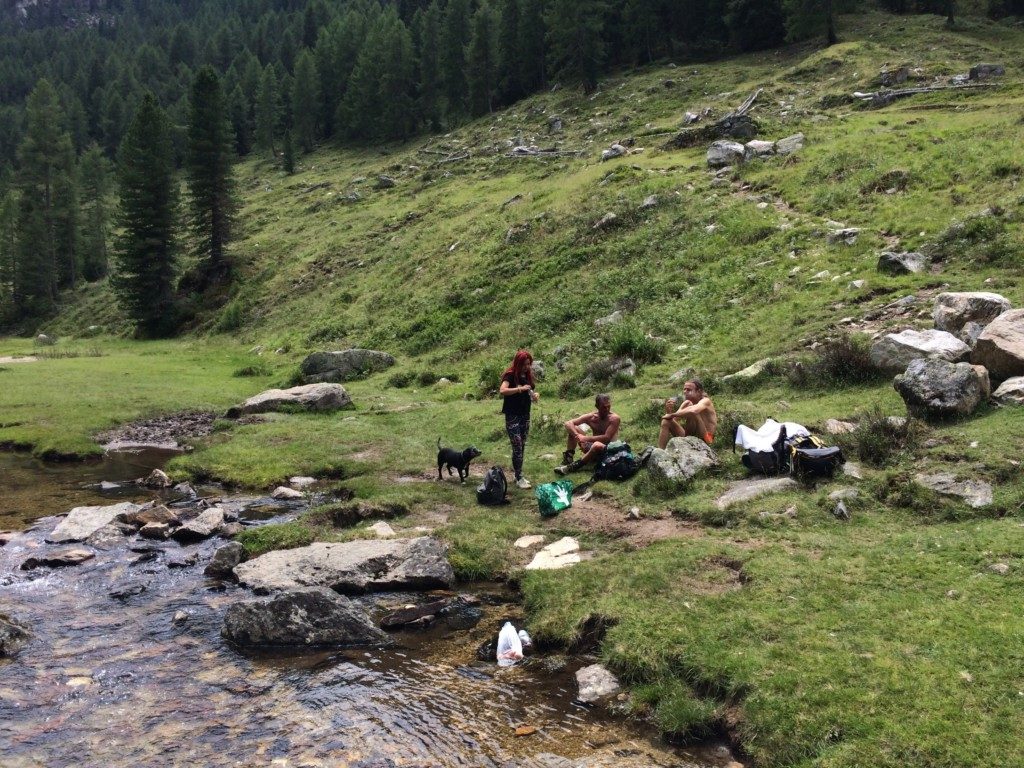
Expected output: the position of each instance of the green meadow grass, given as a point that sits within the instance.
(882, 641)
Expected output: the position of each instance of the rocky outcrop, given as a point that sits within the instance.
(1000, 347)
(346, 365)
(83, 522)
(894, 351)
(939, 389)
(955, 310)
(752, 371)
(310, 397)
(149, 514)
(305, 617)
(790, 144)
(371, 565)
(724, 152)
(903, 263)
(1010, 392)
(13, 634)
(975, 493)
(682, 459)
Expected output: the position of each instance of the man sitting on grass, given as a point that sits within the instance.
(604, 427)
(697, 414)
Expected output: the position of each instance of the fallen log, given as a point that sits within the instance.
(885, 97)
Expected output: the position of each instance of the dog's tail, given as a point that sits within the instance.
(439, 443)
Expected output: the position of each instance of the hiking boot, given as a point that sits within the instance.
(567, 457)
(572, 466)
(523, 483)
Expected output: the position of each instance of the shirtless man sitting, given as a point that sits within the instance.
(697, 414)
(604, 427)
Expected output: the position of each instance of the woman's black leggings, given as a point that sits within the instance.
(517, 427)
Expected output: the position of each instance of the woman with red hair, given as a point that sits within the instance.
(517, 390)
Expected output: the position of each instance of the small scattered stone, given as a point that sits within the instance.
(382, 530)
(633, 514)
(283, 493)
(156, 531)
(837, 427)
(180, 617)
(526, 730)
(844, 494)
(158, 479)
(841, 512)
(1001, 568)
(58, 559)
(596, 683)
(527, 542)
(299, 482)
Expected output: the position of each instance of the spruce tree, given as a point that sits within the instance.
(8, 251)
(305, 101)
(806, 18)
(574, 36)
(336, 51)
(532, 45)
(145, 250)
(482, 61)
(45, 186)
(379, 100)
(267, 111)
(427, 25)
(510, 66)
(455, 35)
(756, 24)
(288, 154)
(208, 171)
(94, 182)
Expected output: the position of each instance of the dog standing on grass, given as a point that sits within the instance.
(458, 459)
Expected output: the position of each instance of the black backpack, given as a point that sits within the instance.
(618, 464)
(494, 489)
(773, 462)
(809, 463)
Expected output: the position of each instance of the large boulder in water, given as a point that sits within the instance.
(682, 459)
(935, 388)
(83, 522)
(305, 617)
(369, 565)
(955, 310)
(1000, 347)
(894, 351)
(310, 397)
(345, 365)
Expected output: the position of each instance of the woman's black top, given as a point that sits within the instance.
(519, 403)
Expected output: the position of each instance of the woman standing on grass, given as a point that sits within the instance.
(517, 390)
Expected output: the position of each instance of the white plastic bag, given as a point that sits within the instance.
(510, 647)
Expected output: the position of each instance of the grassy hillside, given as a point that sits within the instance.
(885, 641)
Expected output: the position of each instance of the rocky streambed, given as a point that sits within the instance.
(126, 662)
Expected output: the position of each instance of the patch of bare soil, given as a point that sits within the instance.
(16, 359)
(174, 431)
(599, 515)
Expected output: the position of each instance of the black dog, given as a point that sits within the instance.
(459, 459)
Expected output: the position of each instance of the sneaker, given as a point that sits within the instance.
(562, 470)
(523, 483)
(565, 469)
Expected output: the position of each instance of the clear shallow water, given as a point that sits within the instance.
(109, 681)
(30, 488)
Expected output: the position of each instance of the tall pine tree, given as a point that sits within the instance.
(510, 65)
(267, 111)
(94, 184)
(145, 250)
(455, 35)
(427, 31)
(305, 101)
(482, 61)
(576, 48)
(532, 45)
(46, 237)
(208, 157)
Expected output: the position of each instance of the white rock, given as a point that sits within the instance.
(82, 522)
(976, 493)
(744, 490)
(954, 310)
(527, 542)
(382, 530)
(894, 351)
(283, 493)
(300, 482)
(1000, 347)
(560, 554)
(1010, 392)
(596, 683)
